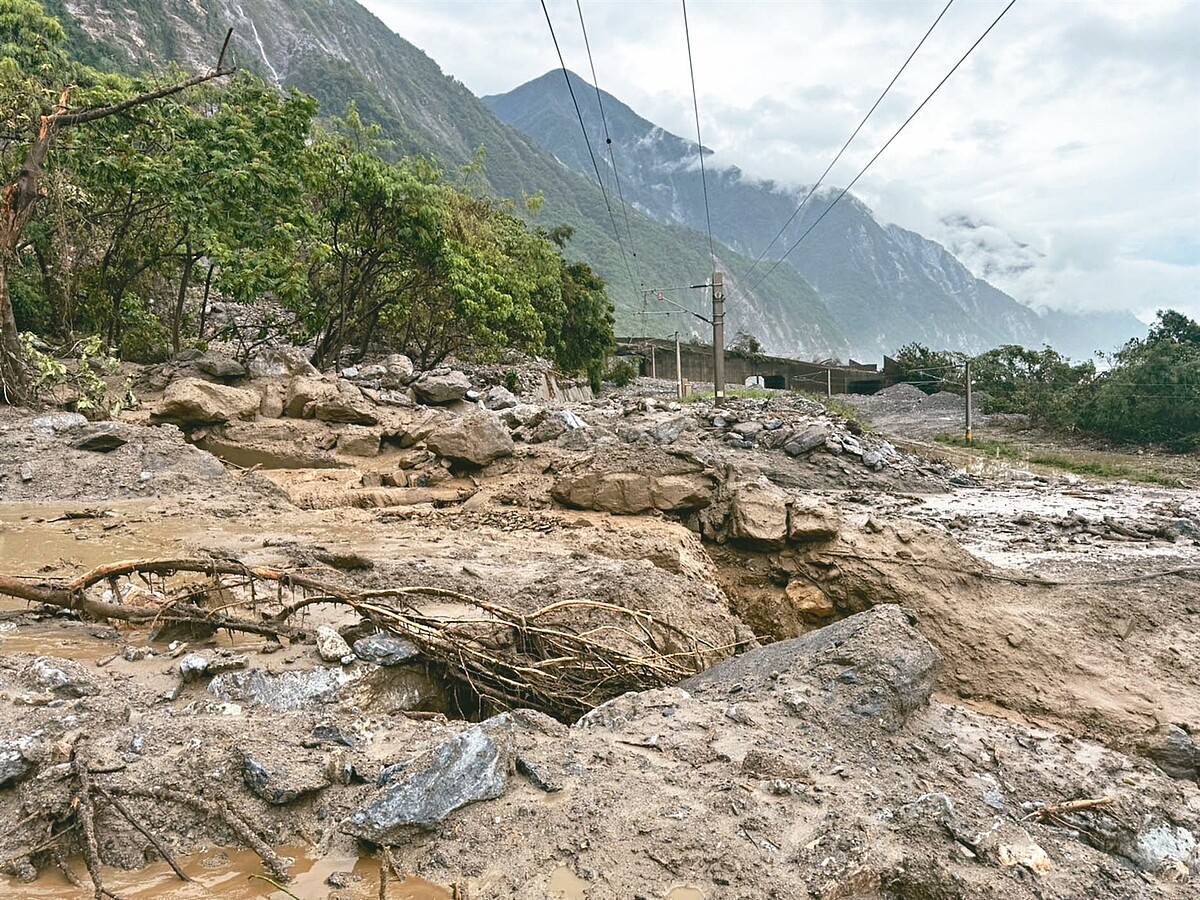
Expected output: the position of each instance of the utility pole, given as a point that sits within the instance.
(828, 382)
(678, 369)
(653, 361)
(970, 436)
(718, 324)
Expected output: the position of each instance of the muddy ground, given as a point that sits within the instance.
(983, 647)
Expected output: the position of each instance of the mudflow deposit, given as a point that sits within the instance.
(473, 633)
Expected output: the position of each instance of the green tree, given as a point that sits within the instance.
(1151, 394)
(1042, 384)
(930, 370)
(37, 81)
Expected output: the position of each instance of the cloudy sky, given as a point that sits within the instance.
(1061, 161)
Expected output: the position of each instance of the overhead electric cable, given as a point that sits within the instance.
(609, 144)
(912, 116)
(699, 143)
(579, 115)
(812, 190)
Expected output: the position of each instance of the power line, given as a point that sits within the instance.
(579, 115)
(699, 143)
(912, 116)
(608, 143)
(874, 106)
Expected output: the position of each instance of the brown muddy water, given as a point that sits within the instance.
(231, 875)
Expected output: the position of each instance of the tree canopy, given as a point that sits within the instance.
(236, 197)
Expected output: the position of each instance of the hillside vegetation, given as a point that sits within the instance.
(132, 227)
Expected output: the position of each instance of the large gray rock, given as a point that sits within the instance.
(1173, 750)
(499, 397)
(276, 362)
(385, 650)
(633, 493)
(758, 514)
(476, 439)
(345, 404)
(220, 366)
(279, 779)
(283, 691)
(62, 677)
(103, 437)
(437, 387)
(872, 668)
(13, 764)
(464, 769)
(806, 440)
(398, 370)
(191, 401)
(811, 522)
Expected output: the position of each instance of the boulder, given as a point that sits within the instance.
(102, 438)
(620, 493)
(345, 403)
(871, 669)
(633, 493)
(191, 401)
(1173, 750)
(283, 780)
(277, 362)
(476, 439)
(806, 440)
(62, 677)
(522, 415)
(758, 514)
(220, 366)
(303, 394)
(331, 646)
(465, 769)
(59, 421)
(399, 370)
(283, 691)
(434, 387)
(497, 397)
(385, 650)
(13, 764)
(811, 522)
(359, 440)
(808, 601)
(680, 493)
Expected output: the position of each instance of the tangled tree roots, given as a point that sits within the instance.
(563, 659)
(52, 830)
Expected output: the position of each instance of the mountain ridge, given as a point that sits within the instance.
(885, 285)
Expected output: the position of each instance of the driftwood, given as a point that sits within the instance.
(563, 659)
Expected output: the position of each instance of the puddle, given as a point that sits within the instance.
(566, 885)
(228, 875)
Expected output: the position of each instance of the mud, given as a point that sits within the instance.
(1064, 642)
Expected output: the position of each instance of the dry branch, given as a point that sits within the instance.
(563, 659)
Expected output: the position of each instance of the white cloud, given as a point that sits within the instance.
(1072, 133)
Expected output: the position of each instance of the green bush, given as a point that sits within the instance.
(623, 372)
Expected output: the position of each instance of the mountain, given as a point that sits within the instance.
(886, 286)
(339, 52)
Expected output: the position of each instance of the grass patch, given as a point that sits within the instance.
(992, 449)
(1099, 469)
(1094, 468)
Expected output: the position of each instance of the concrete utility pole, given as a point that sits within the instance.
(970, 436)
(678, 369)
(718, 324)
(828, 382)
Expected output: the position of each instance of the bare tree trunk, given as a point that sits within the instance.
(18, 202)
